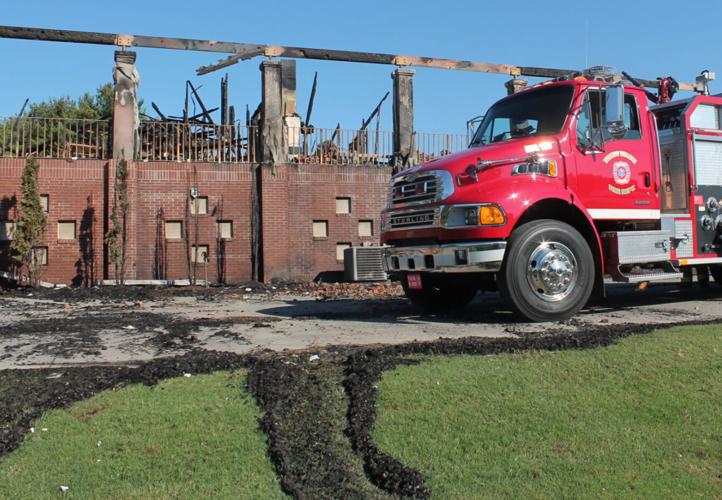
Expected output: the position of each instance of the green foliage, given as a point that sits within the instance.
(192, 437)
(31, 221)
(640, 419)
(98, 106)
(115, 238)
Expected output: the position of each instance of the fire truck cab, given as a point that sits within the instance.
(564, 184)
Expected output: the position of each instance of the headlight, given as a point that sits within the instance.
(548, 168)
(456, 216)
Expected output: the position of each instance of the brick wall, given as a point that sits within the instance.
(75, 191)
(161, 191)
(293, 197)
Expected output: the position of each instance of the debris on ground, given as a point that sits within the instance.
(139, 295)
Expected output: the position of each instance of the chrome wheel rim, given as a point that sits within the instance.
(552, 271)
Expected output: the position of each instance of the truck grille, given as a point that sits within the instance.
(416, 188)
(413, 219)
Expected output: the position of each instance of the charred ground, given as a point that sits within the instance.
(318, 407)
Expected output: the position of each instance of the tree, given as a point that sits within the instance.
(31, 222)
(98, 106)
(116, 237)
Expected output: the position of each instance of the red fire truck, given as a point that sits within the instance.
(565, 183)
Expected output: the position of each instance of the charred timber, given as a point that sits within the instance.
(243, 51)
(153, 42)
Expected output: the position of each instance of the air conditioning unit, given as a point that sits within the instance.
(364, 264)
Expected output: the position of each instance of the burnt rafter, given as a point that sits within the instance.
(243, 51)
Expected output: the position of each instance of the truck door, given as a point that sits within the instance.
(706, 124)
(615, 175)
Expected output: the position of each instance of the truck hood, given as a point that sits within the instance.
(514, 148)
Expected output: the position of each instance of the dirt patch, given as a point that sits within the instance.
(363, 370)
(304, 417)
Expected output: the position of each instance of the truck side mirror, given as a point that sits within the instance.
(614, 111)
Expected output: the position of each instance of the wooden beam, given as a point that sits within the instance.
(120, 40)
(243, 51)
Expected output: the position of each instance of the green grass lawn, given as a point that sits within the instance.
(639, 419)
(191, 437)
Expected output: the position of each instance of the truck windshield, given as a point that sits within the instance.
(535, 112)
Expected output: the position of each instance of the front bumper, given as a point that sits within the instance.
(475, 257)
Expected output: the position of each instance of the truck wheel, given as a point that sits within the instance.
(716, 272)
(439, 295)
(548, 272)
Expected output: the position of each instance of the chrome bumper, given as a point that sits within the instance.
(482, 256)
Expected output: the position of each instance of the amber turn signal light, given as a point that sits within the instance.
(491, 215)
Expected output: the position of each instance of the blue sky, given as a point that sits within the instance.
(645, 38)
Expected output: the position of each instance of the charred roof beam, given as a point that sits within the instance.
(243, 51)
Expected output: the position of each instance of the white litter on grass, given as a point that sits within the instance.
(99, 443)
(32, 429)
(63, 488)
(187, 375)
(315, 357)
(44, 429)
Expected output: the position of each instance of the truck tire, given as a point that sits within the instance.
(716, 272)
(440, 295)
(548, 271)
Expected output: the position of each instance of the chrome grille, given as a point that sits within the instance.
(413, 219)
(415, 188)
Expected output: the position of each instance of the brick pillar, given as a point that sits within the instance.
(404, 150)
(273, 149)
(515, 85)
(125, 108)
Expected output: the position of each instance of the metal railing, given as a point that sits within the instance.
(178, 141)
(348, 147)
(339, 146)
(429, 146)
(54, 137)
